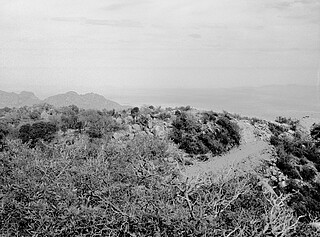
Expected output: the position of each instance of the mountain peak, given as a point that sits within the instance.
(86, 101)
(12, 99)
(73, 93)
(27, 93)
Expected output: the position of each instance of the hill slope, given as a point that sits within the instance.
(86, 101)
(18, 100)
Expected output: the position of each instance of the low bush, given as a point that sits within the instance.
(315, 131)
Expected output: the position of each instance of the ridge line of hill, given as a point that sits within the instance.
(85, 101)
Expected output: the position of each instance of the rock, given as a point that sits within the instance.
(118, 135)
(141, 133)
(170, 160)
(149, 125)
(136, 127)
(149, 133)
(130, 129)
(315, 225)
(128, 119)
(158, 131)
(283, 184)
(203, 158)
(188, 162)
(287, 135)
(273, 178)
(119, 120)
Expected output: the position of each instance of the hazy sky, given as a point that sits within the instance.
(50, 46)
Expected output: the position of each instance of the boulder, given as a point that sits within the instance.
(118, 135)
(136, 127)
(149, 125)
(171, 160)
(128, 119)
(158, 131)
(119, 120)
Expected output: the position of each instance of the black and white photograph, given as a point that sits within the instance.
(134, 118)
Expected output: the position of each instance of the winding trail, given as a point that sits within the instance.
(245, 158)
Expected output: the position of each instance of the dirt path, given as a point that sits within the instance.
(245, 158)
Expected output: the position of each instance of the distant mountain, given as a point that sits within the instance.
(86, 101)
(18, 100)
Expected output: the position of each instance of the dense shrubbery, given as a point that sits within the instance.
(299, 160)
(315, 132)
(289, 121)
(39, 130)
(3, 133)
(277, 129)
(216, 133)
(127, 189)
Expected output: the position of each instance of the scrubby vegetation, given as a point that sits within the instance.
(127, 190)
(299, 160)
(211, 132)
(72, 172)
(315, 132)
(288, 121)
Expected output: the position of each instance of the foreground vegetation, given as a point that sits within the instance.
(128, 190)
(63, 174)
(299, 160)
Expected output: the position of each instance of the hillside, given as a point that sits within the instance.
(158, 172)
(86, 101)
(18, 100)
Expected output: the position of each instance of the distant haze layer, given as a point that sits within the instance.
(266, 102)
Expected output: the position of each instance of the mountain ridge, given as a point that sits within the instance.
(84, 101)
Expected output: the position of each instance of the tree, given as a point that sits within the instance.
(3, 133)
(25, 133)
(37, 131)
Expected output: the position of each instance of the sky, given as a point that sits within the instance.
(116, 45)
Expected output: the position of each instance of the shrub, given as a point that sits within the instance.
(289, 121)
(190, 135)
(143, 120)
(315, 131)
(39, 130)
(276, 129)
(308, 172)
(164, 116)
(4, 131)
(135, 112)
